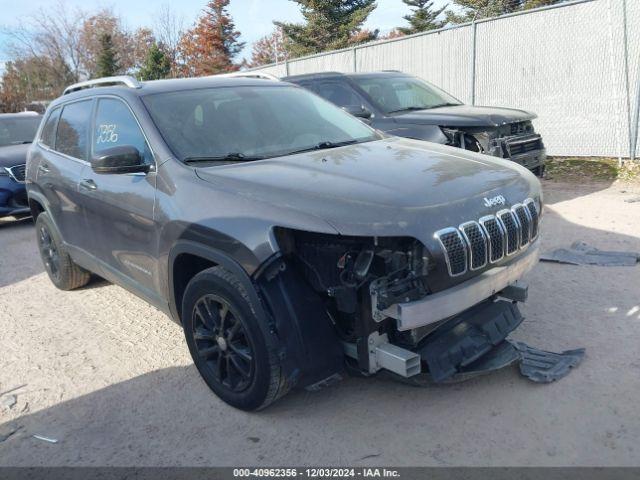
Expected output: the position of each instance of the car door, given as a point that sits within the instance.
(119, 207)
(63, 159)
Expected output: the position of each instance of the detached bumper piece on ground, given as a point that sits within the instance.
(476, 343)
(582, 254)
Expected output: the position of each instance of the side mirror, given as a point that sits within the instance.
(122, 159)
(358, 111)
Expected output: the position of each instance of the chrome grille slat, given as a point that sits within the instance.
(476, 242)
(524, 223)
(535, 217)
(510, 224)
(17, 172)
(496, 236)
(455, 250)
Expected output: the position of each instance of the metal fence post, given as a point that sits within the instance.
(355, 60)
(286, 66)
(625, 59)
(474, 26)
(636, 118)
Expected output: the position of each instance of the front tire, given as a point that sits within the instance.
(226, 342)
(63, 272)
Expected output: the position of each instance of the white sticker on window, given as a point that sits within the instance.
(107, 133)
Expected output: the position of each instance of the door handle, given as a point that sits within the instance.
(43, 168)
(88, 184)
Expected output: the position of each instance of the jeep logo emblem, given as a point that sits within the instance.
(492, 202)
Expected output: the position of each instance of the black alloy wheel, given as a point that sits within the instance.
(60, 267)
(49, 252)
(222, 342)
(229, 343)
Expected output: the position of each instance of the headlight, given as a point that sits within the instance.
(453, 136)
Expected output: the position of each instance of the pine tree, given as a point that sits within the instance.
(539, 3)
(476, 9)
(157, 64)
(422, 17)
(107, 65)
(329, 25)
(211, 46)
(271, 48)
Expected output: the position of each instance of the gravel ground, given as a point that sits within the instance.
(110, 377)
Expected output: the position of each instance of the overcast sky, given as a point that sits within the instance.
(252, 17)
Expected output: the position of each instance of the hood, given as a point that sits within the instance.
(464, 116)
(11, 155)
(390, 187)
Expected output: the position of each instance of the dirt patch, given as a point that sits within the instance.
(592, 169)
(110, 379)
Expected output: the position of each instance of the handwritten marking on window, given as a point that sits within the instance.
(107, 133)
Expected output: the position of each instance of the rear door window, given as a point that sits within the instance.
(73, 129)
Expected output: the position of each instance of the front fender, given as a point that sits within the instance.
(291, 315)
(310, 349)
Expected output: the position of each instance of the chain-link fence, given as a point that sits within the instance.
(577, 65)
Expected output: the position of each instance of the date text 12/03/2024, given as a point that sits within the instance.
(316, 472)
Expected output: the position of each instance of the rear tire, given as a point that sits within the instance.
(62, 270)
(227, 344)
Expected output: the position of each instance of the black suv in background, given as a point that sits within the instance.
(406, 106)
(17, 131)
(288, 238)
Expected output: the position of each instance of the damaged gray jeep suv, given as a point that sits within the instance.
(290, 240)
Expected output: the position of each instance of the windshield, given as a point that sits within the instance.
(17, 130)
(399, 94)
(251, 122)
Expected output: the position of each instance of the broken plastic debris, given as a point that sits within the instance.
(6, 431)
(541, 366)
(582, 254)
(46, 439)
(537, 365)
(9, 401)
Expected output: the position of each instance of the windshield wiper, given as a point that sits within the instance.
(409, 109)
(323, 146)
(21, 142)
(229, 157)
(447, 104)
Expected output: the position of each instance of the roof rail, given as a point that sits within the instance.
(264, 76)
(125, 80)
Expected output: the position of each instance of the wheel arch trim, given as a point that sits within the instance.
(217, 257)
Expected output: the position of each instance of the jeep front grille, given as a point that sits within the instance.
(525, 146)
(17, 172)
(474, 244)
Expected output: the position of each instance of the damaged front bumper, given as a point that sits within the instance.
(526, 150)
(439, 306)
(473, 343)
(467, 326)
